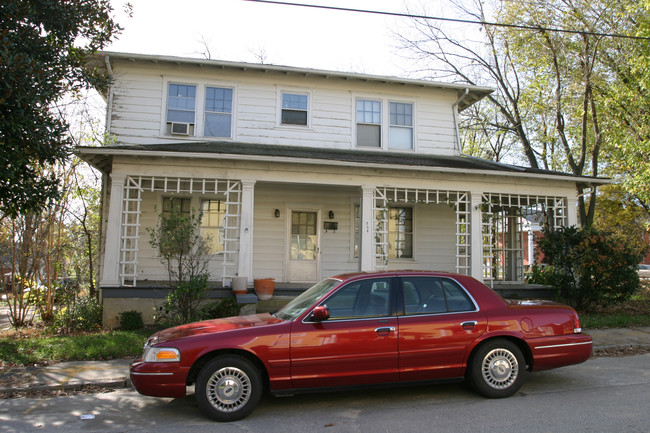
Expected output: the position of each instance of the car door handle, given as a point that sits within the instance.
(385, 330)
(469, 324)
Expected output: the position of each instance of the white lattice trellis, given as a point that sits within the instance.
(502, 230)
(133, 188)
(385, 196)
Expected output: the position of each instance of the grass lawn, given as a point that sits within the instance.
(30, 347)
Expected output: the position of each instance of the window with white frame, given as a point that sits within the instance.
(401, 125)
(181, 106)
(356, 241)
(212, 224)
(294, 109)
(180, 205)
(400, 233)
(218, 112)
(368, 123)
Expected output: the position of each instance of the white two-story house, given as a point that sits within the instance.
(302, 174)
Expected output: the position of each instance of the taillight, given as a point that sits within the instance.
(577, 329)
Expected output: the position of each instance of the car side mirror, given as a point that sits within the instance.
(320, 313)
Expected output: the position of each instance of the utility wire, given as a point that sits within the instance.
(455, 20)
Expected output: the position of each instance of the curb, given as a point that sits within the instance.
(71, 386)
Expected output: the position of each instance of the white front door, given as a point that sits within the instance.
(303, 255)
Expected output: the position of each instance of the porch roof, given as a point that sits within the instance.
(102, 158)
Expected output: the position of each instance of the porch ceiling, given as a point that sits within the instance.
(102, 157)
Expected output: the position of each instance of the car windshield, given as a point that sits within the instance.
(308, 298)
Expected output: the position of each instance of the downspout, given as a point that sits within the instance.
(455, 110)
(109, 98)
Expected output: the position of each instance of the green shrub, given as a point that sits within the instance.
(131, 320)
(589, 268)
(85, 314)
(227, 307)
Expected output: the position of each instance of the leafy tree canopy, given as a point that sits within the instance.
(43, 50)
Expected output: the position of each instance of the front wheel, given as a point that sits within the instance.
(228, 388)
(497, 369)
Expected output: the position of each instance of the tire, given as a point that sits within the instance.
(497, 369)
(228, 388)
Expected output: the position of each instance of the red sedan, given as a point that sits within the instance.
(363, 329)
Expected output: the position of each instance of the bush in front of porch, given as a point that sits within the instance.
(588, 268)
(185, 253)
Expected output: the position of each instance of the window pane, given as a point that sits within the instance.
(401, 114)
(217, 125)
(368, 111)
(401, 138)
(180, 103)
(400, 234)
(367, 298)
(181, 205)
(296, 102)
(212, 224)
(218, 100)
(369, 135)
(180, 116)
(291, 117)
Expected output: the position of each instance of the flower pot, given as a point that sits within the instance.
(239, 285)
(264, 288)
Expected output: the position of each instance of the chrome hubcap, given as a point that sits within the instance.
(229, 389)
(500, 368)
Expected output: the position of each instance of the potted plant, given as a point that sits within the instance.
(264, 288)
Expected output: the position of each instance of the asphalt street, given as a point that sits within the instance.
(601, 395)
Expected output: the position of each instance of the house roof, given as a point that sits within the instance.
(102, 158)
(468, 94)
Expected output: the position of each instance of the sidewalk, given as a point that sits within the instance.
(79, 375)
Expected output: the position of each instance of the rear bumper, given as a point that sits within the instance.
(558, 351)
(159, 379)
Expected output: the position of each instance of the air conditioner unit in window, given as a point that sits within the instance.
(178, 128)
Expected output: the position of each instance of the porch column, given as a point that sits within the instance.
(476, 237)
(572, 211)
(111, 265)
(367, 230)
(245, 266)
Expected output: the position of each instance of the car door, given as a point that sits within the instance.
(439, 323)
(358, 343)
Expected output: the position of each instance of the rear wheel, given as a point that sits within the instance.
(228, 388)
(498, 369)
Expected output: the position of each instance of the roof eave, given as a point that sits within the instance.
(93, 155)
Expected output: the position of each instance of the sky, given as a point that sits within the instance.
(243, 31)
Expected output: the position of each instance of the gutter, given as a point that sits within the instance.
(109, 102)
(455, 112)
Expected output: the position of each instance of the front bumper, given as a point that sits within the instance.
(159, 379)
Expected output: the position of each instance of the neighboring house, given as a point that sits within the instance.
(302, 174)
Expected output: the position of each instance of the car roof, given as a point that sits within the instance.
(395, 273)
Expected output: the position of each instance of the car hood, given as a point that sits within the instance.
(215, 325)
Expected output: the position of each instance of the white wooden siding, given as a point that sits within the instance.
(139, 104)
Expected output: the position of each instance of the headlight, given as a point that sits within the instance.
(161, 354)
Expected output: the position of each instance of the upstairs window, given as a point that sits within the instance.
(294, 109)
(218, 112)
(368, 123)
(401, 126)
(181, 102)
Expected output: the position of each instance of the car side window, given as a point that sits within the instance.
(360, 299)
(457, 298)
(428, 295)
